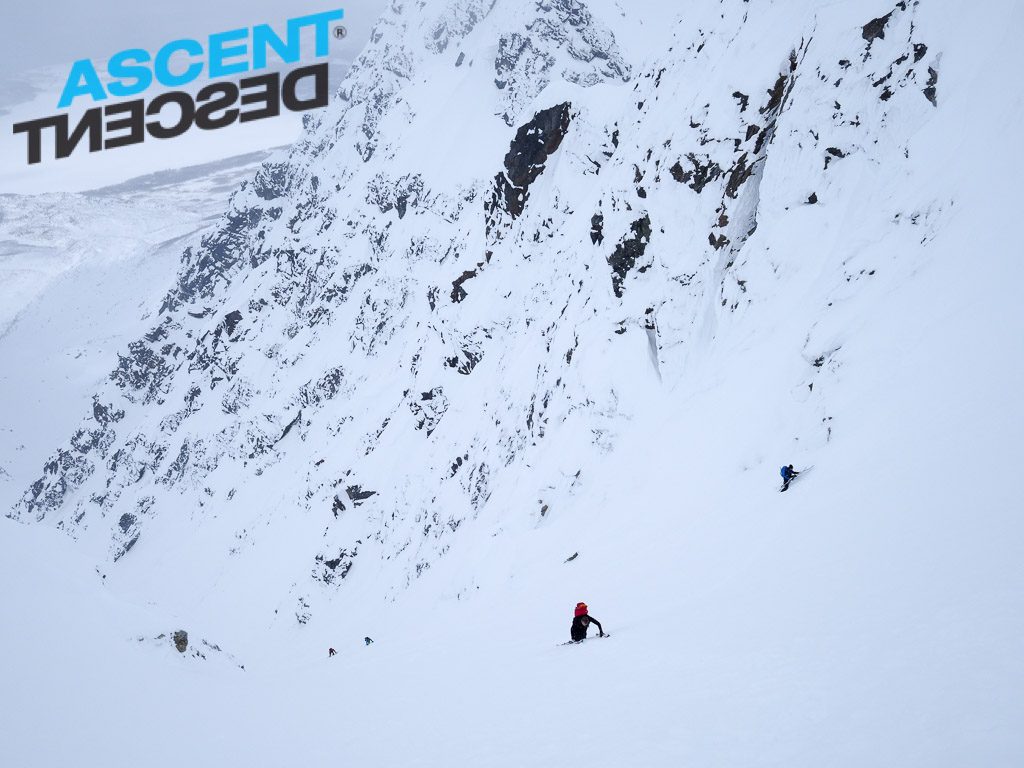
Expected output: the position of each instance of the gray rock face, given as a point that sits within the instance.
(180, 639)
(563, 38)
(461, 18)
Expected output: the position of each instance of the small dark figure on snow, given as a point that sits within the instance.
(331, 652)
(581, 621)
(368, 640)
(788, 473)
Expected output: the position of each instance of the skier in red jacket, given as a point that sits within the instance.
(581, 621)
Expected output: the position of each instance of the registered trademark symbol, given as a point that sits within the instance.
(340, 32)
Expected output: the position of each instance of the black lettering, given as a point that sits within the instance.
(188, 112)
(213, 108)
(91, 122)
(34, 129)
(291, 80)
(134, 123)
(228, 96)
(270, 95)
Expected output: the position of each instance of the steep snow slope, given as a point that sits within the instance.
(410, 375)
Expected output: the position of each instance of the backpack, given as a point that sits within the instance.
(581, 609)
(783, 472)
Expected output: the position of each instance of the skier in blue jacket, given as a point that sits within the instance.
(788, 473)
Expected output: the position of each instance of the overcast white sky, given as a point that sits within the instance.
(60, 31)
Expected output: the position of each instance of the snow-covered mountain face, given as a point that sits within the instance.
(500, 230)
(559, 274)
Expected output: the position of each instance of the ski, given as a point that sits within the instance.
(577, 642)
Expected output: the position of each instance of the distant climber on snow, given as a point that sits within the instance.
(788, 473)
(368, 640)
(581, 622)
(331, 652)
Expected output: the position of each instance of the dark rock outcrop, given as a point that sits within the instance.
(534, 143)
(875, 29)
(332, 569)
(180, 638)
(703, 170)
(429, 409)
(930, 87)
(626, 253)
(597, 229)
(357, 495)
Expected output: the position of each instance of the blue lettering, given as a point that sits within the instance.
(127, 65)
(263, 37)
(163, 60)
(219, 51)
(320, 22)
(82, 80)
(228, 53)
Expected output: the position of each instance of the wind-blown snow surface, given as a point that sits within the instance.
(410, 376)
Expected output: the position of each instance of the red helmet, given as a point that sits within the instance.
(581, 609)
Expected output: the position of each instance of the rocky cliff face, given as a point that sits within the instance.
(447, 277)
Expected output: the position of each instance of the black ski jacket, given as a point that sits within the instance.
(580, 624)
